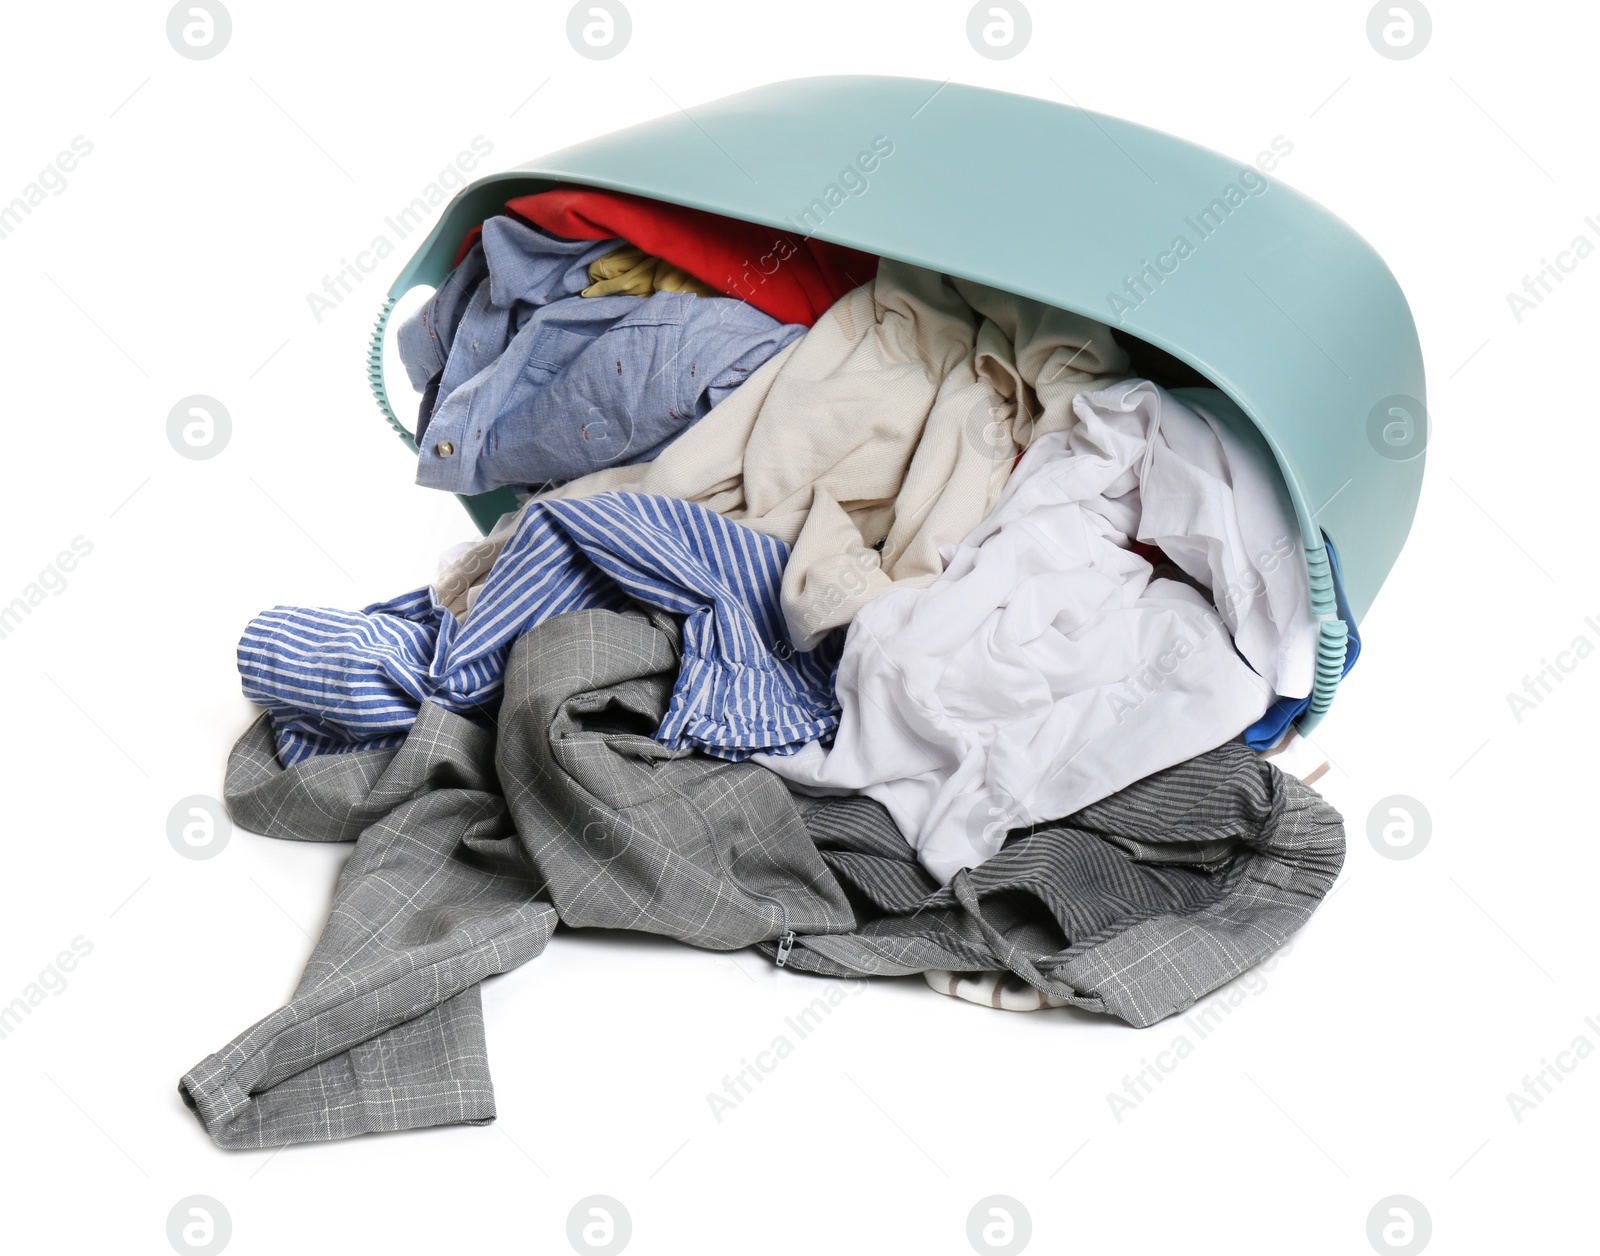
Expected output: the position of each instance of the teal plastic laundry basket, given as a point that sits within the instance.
(1278, 303)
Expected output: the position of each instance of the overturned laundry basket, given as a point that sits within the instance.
(1272, 299)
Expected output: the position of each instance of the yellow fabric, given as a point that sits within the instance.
(632, 272)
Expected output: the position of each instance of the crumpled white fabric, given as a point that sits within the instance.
(1046, 667)
(1221, 512)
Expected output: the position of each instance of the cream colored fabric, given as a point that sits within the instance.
(461, 579)
(1298, 756)
(1003, 990)
(884, 433)
(631, 272)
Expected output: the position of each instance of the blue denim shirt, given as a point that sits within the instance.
(540, 385)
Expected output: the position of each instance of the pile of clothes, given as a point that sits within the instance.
(885, 621)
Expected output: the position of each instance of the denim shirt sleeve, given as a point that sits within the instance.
(512, 271)
(424, 338)
(538, 391)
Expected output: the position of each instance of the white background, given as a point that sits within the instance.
(1374, 1059)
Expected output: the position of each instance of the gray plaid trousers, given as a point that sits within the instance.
(469, 845)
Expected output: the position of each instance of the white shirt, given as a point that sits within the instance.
(1046, 667)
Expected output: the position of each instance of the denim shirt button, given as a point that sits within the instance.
(444, 449)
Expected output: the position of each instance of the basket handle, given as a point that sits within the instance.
(1332, 640)
(375, 373)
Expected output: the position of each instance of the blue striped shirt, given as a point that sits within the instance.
(345, 680)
